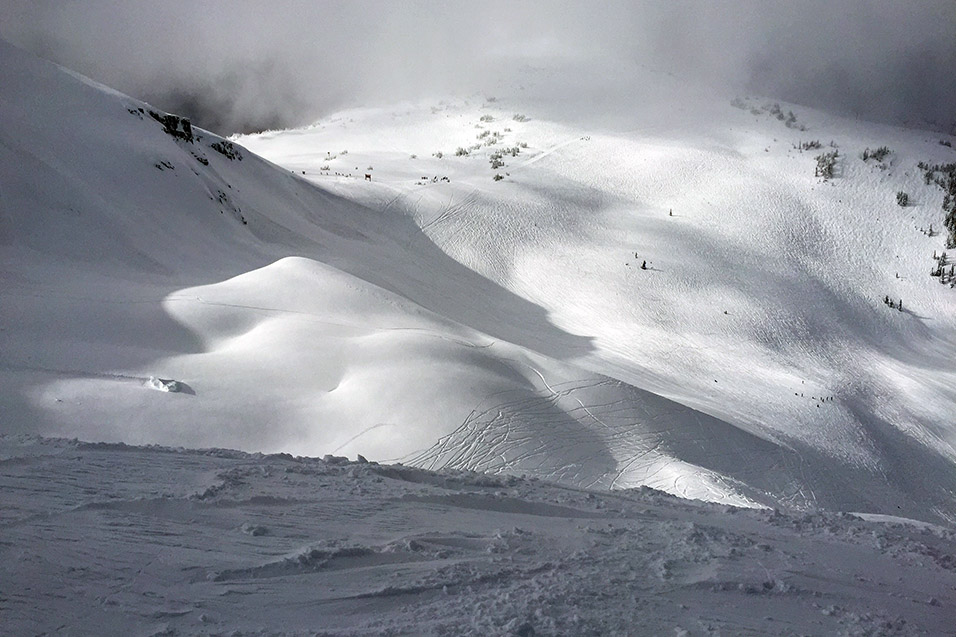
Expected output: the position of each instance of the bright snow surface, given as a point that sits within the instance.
(506, 326)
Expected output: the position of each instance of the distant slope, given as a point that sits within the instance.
(762, 303)
(318, 318)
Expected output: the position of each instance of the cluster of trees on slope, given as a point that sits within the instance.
(944, 176)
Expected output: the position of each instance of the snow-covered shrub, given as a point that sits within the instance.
(491, 137)
(497, 177)
(486, 118)
(879, 154)
(902, 199)
(439, 155)
(811, 145)
(461, 152)
(826, 163)
(774, 110)
(941, 272)
(520, 117)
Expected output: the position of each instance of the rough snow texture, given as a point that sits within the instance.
(500, 326)
(112, 539)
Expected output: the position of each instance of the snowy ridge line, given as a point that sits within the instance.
(314, 316)
(73, 372)
(75, 443)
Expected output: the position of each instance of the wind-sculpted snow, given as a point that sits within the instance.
(433, 315)
(115, 539)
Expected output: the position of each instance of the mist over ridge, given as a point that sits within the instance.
(241, 66)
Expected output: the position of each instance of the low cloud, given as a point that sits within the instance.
(245, 65)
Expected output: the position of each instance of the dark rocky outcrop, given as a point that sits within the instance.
(228, 149)
(174, 125)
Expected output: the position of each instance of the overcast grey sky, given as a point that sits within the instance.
(247, 64)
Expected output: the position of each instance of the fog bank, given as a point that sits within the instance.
(244, 65)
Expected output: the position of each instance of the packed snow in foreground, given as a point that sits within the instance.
(110, 539)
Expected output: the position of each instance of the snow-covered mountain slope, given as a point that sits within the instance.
(763, 301)
(110, 539)
(500, 326)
